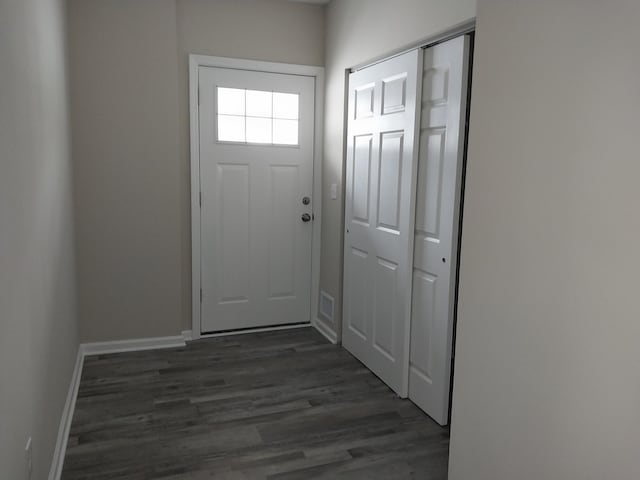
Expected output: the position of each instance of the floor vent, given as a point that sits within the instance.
(326, 306)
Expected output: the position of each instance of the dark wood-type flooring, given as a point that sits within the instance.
(275, 405)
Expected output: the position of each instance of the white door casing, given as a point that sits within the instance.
(255, 251)
(380, 197)
(440, 168)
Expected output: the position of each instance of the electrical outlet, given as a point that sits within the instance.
(28, 455)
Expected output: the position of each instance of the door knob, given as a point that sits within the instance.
(306, 217)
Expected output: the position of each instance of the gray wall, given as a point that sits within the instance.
(357, 31)
(38, 330)
(124, 111)
(129, 89)
(547, 372)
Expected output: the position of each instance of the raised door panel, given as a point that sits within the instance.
(389, 180)
(364, 101)
(384, 308)
(234, 255)
(394, 94)
(421, 358)
(435, 84)
(283, 224)
(430, 184)
(359, 296)
(360, 194)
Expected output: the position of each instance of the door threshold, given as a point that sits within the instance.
(241, 331)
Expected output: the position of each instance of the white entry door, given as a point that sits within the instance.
(379, 216)
(256, 175)
(442, 136)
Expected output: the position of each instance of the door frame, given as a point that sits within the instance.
(195, 62)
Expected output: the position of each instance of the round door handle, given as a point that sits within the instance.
(306, 217)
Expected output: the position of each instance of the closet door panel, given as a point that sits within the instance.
(380, 215)
(440, 167)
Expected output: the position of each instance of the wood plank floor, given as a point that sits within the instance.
(263, 406)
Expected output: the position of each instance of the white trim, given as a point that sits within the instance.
(196, 61)
(317, 194)
(255, 65)
(326, 330)
(65, 420)
(187, 335)
(256, 330)
(134, 345)
(97, 348)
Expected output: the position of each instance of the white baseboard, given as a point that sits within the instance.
(97, 348)
(65, 421)
(137, 344)
(326, 331)
(187, 335)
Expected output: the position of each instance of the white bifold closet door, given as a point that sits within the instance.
(435, 261)
(379, 216)
(402, 213)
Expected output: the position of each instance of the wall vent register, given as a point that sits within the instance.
(257, 117)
